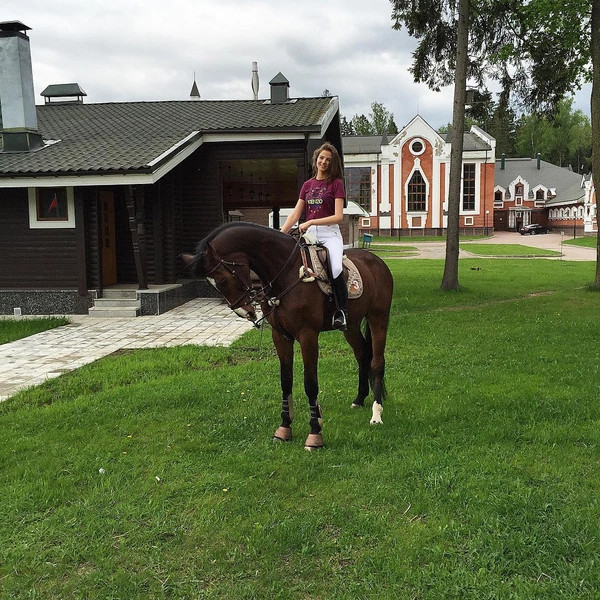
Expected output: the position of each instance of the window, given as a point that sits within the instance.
(498, 199)
(365, 222)
(539, 198)
(468, 221)
(417, 147)
(358, 186)
(468, 186)
(51, 208)
(417, 193)
(519, 194)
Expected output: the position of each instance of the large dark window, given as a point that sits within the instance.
(417, 193)
(358, 186)
(468, 186)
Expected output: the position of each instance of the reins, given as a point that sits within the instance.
(249, 294)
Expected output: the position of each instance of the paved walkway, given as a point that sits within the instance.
(32, 360)
(207, 322)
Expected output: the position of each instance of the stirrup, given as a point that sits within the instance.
(339, 320)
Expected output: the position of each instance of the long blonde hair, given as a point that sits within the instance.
(335, 166)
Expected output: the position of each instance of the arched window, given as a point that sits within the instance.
(417, 193)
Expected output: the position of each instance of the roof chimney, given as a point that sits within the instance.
(63, 93)
(255, 81)
(280, 88)
(539, 161)
(19, 118)
(502, 161)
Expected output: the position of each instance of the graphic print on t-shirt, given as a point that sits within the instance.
(320, 196)
(314, 201)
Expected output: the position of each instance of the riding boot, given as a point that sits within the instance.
(340, 294)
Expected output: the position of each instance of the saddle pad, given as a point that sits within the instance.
(354, 281)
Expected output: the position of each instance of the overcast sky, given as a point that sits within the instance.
(126, 50)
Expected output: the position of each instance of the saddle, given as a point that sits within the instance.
(314, 267)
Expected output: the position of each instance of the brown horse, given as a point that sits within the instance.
(297, 310)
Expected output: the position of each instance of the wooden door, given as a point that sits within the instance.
(107, 238)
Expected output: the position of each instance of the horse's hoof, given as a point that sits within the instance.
(354, 405)
(314, 441)
(283, 434)
(377, 412)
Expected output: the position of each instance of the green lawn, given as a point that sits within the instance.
(587, 242)
(14, 329)
(152, 474)
(516, 250)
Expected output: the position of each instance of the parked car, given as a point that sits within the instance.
(533, 229)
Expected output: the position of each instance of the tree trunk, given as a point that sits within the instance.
(450, 278)
(595, 108)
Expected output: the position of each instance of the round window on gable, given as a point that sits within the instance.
(417, 147)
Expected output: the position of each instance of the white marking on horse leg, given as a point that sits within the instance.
(377, 412)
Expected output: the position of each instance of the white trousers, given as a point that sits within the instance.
(331, 237)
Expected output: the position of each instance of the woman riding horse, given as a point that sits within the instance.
(299, 311)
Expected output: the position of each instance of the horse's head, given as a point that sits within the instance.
(230, 275)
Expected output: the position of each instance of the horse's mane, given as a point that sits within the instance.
(197, 263)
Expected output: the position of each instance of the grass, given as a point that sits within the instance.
(586, 242)
(515, 250)
(387, 239)
(14, 329)
(483, 481)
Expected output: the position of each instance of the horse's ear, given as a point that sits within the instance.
(187, 258)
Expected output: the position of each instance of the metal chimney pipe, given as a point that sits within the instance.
(19, 117)
(255, 81)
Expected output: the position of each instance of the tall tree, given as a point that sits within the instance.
(595, 106)
(346, 126)
(379, 122)
(362, 125)
(538, 49)
(563, 138)
(382, 119)
(450, 277)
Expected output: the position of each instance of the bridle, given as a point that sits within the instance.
(249, 294)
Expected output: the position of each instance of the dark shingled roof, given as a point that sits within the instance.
(362, 144)
(128, 136)
(568, 184)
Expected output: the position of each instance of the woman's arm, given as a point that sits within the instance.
(334, 219)
(294, 216)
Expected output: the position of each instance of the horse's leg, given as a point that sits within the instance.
(285, 352)
(309, 344)
(359, 346)
(378, 326)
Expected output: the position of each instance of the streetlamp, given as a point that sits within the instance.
(487, 212)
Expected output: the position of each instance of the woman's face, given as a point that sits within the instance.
(323, 163)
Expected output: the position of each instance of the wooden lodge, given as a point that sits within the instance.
(98, 196)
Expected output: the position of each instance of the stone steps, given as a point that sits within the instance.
(116, 303)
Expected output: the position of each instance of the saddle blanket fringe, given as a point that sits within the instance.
(354, 281)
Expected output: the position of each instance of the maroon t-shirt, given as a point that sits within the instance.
(319, 197)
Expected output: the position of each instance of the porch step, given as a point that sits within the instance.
(116, 303)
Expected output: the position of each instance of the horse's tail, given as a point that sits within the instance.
(369, 357)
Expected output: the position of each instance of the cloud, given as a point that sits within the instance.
(132, 50)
